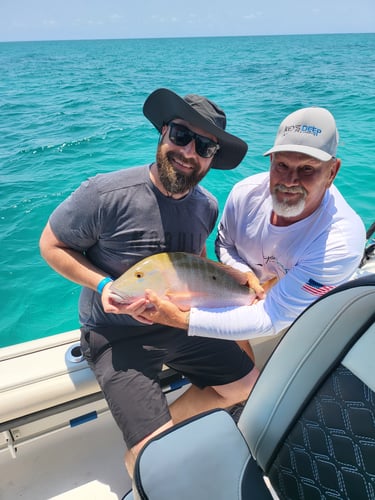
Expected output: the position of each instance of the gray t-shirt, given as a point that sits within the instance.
(118, 218)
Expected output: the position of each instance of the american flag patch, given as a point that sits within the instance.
(316, 288)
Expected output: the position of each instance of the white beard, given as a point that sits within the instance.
(286, 210)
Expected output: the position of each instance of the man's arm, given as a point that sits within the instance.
(74, 266)
(70, 263)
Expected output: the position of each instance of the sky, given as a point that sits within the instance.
(26, 20)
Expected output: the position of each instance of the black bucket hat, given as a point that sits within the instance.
(163, 105)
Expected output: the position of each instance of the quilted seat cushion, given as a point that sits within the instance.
(330, 451)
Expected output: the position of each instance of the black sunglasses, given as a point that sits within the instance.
(181, 136)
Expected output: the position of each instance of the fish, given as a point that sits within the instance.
(185, 279)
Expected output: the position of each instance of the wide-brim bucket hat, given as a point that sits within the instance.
(163, 105)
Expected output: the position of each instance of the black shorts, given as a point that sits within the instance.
(127, 368)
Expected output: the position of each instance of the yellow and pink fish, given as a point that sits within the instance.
(186, 279)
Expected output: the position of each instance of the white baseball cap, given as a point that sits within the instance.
(311, 131)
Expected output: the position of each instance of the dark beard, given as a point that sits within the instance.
(176, 182)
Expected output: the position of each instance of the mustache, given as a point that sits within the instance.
(292, 189)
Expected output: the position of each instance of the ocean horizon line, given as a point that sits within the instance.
(185, 37)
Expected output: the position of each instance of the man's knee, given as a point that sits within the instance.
(131, 455)
(238, 391)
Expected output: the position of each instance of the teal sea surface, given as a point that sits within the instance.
(71, 109)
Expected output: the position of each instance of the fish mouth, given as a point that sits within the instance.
(123, 299)
(120, 299)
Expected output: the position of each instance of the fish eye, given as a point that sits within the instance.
(139, 274)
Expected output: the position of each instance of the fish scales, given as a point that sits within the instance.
(186, 279)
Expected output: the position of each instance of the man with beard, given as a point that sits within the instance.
(116, 219)
(290, 226)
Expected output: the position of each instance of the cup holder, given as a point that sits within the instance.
(74, 354)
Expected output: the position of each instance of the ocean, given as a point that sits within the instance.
(71, 109)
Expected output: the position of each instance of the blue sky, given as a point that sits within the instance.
(88, 19)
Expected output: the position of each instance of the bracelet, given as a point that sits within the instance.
(102, 284)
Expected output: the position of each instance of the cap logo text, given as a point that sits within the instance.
(302, 129)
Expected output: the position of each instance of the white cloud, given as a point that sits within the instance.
(254, 15)
(49, 22)
(115, 17)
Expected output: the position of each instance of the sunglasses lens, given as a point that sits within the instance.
(205, 147)
(181, 136)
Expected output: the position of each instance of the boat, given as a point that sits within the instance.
(58, 439)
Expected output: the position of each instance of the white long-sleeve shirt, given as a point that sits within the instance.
(309, 258)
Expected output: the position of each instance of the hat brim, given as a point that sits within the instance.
(297, 148)
(163, 105)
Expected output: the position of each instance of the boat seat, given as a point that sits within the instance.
(307, 430)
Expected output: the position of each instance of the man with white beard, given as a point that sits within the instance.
(290, 225)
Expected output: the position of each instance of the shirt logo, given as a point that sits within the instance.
(315, 288)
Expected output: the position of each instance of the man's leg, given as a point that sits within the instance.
(196, 400)
(131, 455)
(135, 399)
(221, 372)
(245, 346)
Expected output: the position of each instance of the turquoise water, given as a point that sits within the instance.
(72, 109)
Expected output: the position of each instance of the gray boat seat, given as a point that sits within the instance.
(307, 430)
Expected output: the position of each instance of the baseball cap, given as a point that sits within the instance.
(311, 131)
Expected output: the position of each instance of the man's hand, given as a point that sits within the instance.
(112, 305)
(148, 310)
(164, 312)
(254, 283)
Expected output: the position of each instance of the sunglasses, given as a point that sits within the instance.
(182, 136)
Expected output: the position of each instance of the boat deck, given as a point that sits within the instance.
(72, 462)
(83, 462)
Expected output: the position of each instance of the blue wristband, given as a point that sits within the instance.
(102, 284)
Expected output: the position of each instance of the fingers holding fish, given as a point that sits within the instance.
(149, 309)
(110, 302)
(165, 312)
(139, 311)
(254, 284)
(113, 304)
